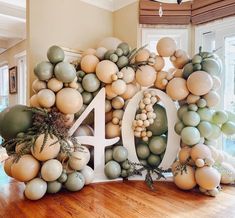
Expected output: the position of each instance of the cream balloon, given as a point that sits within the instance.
(177, 89)
(192, 99)
(146, 75)
(112, 130)
(89, 51)
(51, 170)
(200, 151)
(46, 98)
(35, 189)
(199, 83)
(89, 63)
(131, 90)
(69, 101)
(109, 92)
(118, 102)
(119, 86)
(159, 63)
(105, 69)
(128, 74)
(166, 47)
(212, 99)
(142, 55)
(38, 85)
(100, 52)
(55, 85)
(84, 130)
(34, 101)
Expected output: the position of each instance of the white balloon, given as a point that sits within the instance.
(88, 174)
(35, 189)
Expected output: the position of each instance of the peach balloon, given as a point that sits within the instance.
(105, 69)
(166, 47)
(89, 51)
(146, 75)
(177, 89)
(7, 165)
(34, 101)
(109, 92)
(181, 58)
(38, 85)
(199, 83)
(55, 85)
(25, 169)
(192, 99)
(119, 87)
(46, 98)
(159, 63)
(118, 102)
(212, 99)
(89, 63)
(131, 90)
(142, 55)
(128, 74)
(112, 130)
(159, 82)
(69, 101)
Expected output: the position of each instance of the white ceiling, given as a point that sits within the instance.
(12, 22)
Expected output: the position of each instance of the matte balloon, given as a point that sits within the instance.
(88, 174)
(38, 85)
(69, 101)
(166, 47)
(212, 99)
(35, 189)
(65, 72)
(46, 98)
(119, 87)
(128, 74)
(159, 63)
(142, 55)
(199, 83)
(142, 151)
(157, 144)
(190, 135)
(112, 130)
(44, 70)
(33, 101)
(54, 85)
(91, 83)
(146, 75)
(177, 89)
(100, 52)
(51, 170)
(112, 169)
(55, 54)
(89, 63)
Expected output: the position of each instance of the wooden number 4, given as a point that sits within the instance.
(98, 141)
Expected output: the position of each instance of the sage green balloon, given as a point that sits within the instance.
(65, 72)
(215, 133)
(119, 52)
(87, 97)
(197, 67)
(154, 160)
(178, 127)
(188, 70)
(53, 187)
(55, 54)
(44, 70)
(181, 111)
(113, 58)
(228, 128)
(108, 54)
(191, 118)
(112, 169)
(108, 155)
(211, 66)
(205, 114)
(192, 107)
(157, 144)
(197, 59)
(2, 114)
(90, 83)
(159, 125)
(122, 62)
(75, 181)
(142, 151)
(125, 48)
(126, 165)
(201, 103)
(63, 178)
(205, 128)
(120, 154)
(124, 173)
(190, 135)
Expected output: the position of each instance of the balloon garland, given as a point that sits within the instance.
(36, 137)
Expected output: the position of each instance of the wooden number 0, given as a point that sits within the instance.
(99, 142)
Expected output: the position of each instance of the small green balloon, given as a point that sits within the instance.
(108, 54)
(191, 118)
(205, 114)
(53, 187)
(157, 144)
(108, 155)
(197, 59)
(178, 127)
(44, 70)
(120, 154)
(62, 178)
(205, 128)
(190, 136)
(181, 111)
(154, 160)
(112, 169)
(201, 103)
(87, 97)
(188, 70)
(215, 133)
(119, 52)
(75, 181)
(125, 48)
(142, 151)
(90, 82)
(220, 117)
(55, 54)
(197, 67)
(113, 58)
(65, 72)
(126, 165)
(228, 128)
(192, 107)
(124, 173)
(122, 62)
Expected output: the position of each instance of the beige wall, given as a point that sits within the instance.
(126, 24)
(72, 24)
(8, 57)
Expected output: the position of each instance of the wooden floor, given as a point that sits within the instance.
(118, 199)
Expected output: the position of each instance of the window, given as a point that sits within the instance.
(150, 37)
(219, 36)
(4, 98)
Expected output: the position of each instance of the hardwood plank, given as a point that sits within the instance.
(212, 7)
(150, 5)
(184, 20)
(202, 3)
(116, 200)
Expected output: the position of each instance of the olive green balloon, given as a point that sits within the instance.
(122, 62)
(55, 54)
(2, 114)
(197, 59)
(211, 66)
(157, 144)
(62, 178)
(53, 187)
(112, 169)
(154, 160)
(65, 72)
(17, 119)
(108, 155)
(142, 151)
(181, 111)
(90, 82)
(188, 69)
(124, 173)
(159, 125)
(108, 54)
(44, 70)
(87, 97)
(126, 165)
(178, 127)
(120, 154)
(119, 52)
(190, 135)
(125, 48)
(75, 181)
(113, 58)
